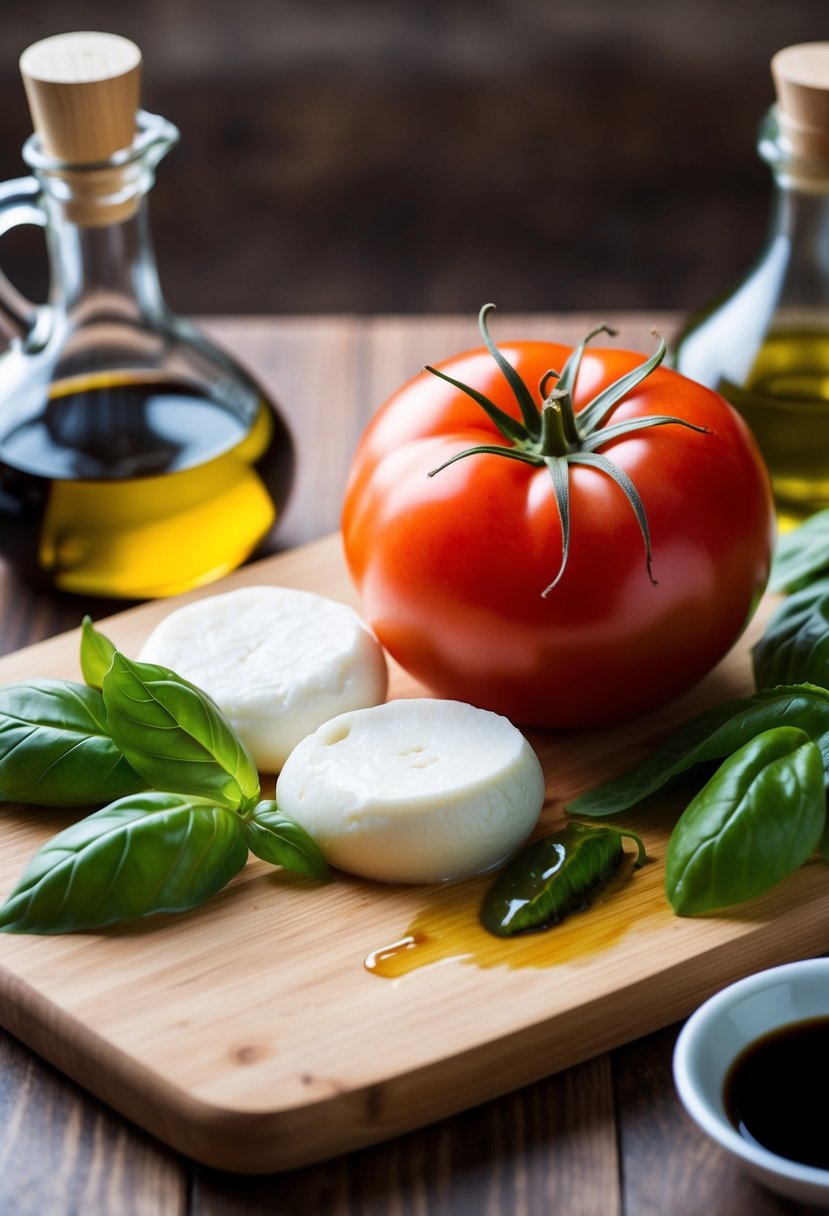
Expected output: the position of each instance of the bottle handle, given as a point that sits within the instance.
(19, 204)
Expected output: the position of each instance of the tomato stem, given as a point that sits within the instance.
(552, 374)
(528, 407)
(554, 438)
(557, 437)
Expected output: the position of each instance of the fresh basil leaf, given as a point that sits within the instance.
(553, 877)
(795, 646)
(175, 736)
(757, 820)
(712, 736)
(96, 654)
(277, 839)
(802, 555)
(55, 749)
(152, 852)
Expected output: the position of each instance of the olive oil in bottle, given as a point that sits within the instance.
(136, 458)
(139, 486)
(785, 401)
(765, 345)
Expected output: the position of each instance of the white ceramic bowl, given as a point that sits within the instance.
(718, 1032)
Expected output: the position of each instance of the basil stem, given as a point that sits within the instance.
(277, 839)
(553, 877)
(152, 852)
(55, 749)
(712, 736)
(802, 555)
(795, 646)
(175, 736)
(757, 820)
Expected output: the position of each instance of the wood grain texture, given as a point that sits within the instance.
(512, 1154)
(330, 374)
(106, 1165)
(667, 1164)
(551, 1147)
(543, 153)
(83, 91)
(248, 1033)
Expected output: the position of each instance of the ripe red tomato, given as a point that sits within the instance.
(452, 568)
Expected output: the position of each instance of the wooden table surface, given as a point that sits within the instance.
(607, 1138)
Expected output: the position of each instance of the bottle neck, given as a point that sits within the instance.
(801, 216)
(792, 171)
(799, 233)
(97, 229)
(103, 268)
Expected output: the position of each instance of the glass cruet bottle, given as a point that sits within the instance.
(136, 458)
(765, 345)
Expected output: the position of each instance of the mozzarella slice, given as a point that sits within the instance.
(277, 661)
(414, 791)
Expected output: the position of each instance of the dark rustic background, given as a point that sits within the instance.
(367, 155)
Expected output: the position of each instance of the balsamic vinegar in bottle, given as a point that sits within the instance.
(139, 486)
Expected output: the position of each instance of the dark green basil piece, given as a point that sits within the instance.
(175, 736)
(277, 839)
(757, 820)
(55, 749)
(802, 555)
(795, 646)
(149, 853)
(553, 877)
(712, 736)
(97, 653)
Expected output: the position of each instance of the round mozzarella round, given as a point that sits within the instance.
(414, 791)
(277, 661)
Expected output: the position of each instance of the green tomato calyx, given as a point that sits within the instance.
(553, 434)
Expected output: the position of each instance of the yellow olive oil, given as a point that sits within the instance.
(785, 401)
(137, 486)
(448, 928)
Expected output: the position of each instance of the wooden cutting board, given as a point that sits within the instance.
(250, 1034)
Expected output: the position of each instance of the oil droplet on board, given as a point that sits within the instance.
(448, 930)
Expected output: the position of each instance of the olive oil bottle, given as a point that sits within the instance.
(765, 345)
(139, 486)
(136, 458)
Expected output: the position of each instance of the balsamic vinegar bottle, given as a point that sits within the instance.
(136, 458)
(765, 345)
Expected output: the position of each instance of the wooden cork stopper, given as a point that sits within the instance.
(83, 92)
(801, 78)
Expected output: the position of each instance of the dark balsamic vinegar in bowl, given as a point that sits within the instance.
(774, 1092)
